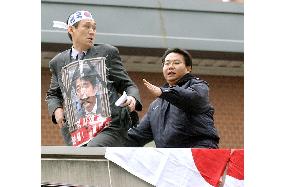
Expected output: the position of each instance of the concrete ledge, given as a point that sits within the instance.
(83, 166)
(72, 152)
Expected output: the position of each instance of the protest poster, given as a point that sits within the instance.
(86, 100)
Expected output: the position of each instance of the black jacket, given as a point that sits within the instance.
(181, 117)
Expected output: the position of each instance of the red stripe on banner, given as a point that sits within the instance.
(236, 164)
(211, 163)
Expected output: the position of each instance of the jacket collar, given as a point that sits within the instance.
(89, 53)
(183, 80)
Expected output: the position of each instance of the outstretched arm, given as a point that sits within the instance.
(194, 98)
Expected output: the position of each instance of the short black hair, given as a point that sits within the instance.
(186, 55)
(87, 76)
(91, 78)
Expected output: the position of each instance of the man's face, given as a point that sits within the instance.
(174, 68)
(86, 92)
(84, 35)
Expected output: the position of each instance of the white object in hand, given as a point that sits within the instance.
(121, 100)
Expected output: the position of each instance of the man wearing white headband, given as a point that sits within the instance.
(81, 28)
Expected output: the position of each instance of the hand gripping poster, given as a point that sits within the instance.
(86, 100)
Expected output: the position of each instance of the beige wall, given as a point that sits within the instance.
(226, 95)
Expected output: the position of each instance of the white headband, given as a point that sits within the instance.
(74, 18)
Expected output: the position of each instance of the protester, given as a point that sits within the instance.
(81, 28)
(181, 115)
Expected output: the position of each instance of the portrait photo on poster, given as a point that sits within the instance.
(86, 98)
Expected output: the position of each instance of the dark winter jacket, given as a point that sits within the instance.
(181, 117)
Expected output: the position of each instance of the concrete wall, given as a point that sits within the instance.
(204, 25)
(95, 172)
(79, 167)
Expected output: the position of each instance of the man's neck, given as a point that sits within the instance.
(79, 49)
(75, 52)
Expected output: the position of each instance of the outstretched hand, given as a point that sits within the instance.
(156, 91)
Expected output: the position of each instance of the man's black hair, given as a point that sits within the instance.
(187, 57)
(88, 76)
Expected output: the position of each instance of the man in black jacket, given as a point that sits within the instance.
(181, 116)
(81, 28)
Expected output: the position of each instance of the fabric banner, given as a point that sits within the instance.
(170, 167)
(235, 171)
(86, 101)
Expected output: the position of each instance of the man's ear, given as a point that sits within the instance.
(70, 30)
(188, 68)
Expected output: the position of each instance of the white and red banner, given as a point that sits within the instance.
(170, 167)
(235, 171)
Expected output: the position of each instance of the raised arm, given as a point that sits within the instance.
(194, 98)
